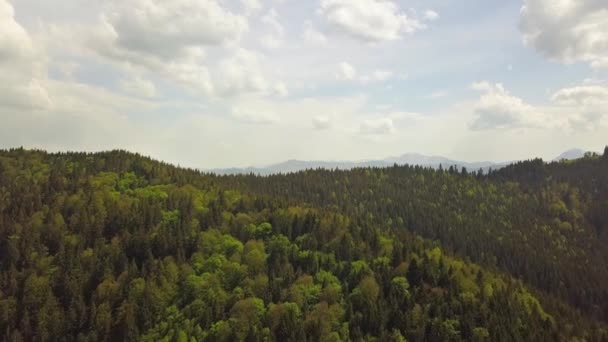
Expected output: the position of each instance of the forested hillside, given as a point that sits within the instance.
(115, 246)
(545, 223)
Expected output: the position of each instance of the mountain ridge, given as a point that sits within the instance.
(410, 158)
(295, 165)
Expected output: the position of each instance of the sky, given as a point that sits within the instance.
(233, 83)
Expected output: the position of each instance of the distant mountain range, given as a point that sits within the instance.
(405, 159)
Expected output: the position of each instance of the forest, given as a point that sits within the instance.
(116, 246)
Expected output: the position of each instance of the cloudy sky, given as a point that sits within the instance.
(217, 83)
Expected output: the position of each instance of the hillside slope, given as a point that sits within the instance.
(544, 223)
(116, 246)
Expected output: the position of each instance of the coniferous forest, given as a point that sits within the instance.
(116, 246)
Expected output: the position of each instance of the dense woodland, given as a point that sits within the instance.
(116, 246)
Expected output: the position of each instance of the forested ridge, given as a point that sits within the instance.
(115, 246)
(544, 223)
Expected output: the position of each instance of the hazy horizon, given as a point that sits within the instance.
(239, 83)
(329, 161)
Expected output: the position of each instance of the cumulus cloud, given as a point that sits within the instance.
(578, 108)
(37, 111)
(369, 20)
(173, 40)
(586, 95)
(189, 74)
(497, 109)
(242, 73)
(379, 126)
(587, 105)
(81, 117)
(15, 42)
(166, 28)
(567, 30)
(220, 53)
(134, 47)
(347, 72)
(22, 65)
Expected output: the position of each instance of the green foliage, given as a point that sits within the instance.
(115, 246)
(262, 231)
(285, 321)
(246, 318)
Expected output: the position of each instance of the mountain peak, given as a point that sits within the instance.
(571, 154)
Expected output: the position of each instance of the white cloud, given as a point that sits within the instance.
(587, 105)
(584, 121)
(229, 72)
(321, 123)
(380, 126)
(578, 108)
(242, 73)
(235, 61)
(431, 15)
(585, 95)
(81, 117)
(22, 65)
(346, 71)
(567, 30)
(190, 74)
(368, 20)
(497, 109)
(165, 29)
(173, 39)
(38, 112)
(14, 41)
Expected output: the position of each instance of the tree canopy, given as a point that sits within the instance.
(116, 246)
